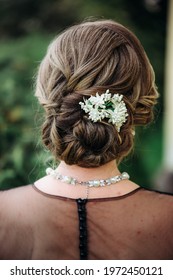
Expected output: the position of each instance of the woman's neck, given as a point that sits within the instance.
(105, 171)
(50, 185)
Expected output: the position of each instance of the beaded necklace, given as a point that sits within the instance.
(91, 183)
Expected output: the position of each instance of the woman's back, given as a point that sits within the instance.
(96, 85)
(35, 225)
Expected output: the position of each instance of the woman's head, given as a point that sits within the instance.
(85, 59)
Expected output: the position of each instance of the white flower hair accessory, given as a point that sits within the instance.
(108, 106)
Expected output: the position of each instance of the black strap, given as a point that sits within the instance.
(81, 204)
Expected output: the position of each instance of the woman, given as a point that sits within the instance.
(96, 85)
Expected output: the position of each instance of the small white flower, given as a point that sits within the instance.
(95, 115)
(106, 106)
(107, 95)
(97, 100)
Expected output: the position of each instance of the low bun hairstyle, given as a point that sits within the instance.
(85, 59)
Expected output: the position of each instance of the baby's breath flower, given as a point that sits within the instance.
(97, 100)
(106, 106)
(95, 115)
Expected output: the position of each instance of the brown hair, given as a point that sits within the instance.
(85, 59)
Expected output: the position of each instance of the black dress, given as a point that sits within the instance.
(36, 225)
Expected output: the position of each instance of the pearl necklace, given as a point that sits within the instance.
(91, 183)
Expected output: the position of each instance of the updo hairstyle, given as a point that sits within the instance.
(85, 59)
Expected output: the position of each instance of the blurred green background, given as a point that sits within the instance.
(26, 28)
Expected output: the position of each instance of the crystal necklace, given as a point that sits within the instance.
(91, 183)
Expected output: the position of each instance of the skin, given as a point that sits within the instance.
(53, 186)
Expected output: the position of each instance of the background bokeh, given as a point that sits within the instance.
(26, 28)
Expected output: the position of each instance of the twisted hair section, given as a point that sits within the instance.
(85, 59)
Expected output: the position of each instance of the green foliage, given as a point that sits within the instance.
(19, 133)
(26, 28)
